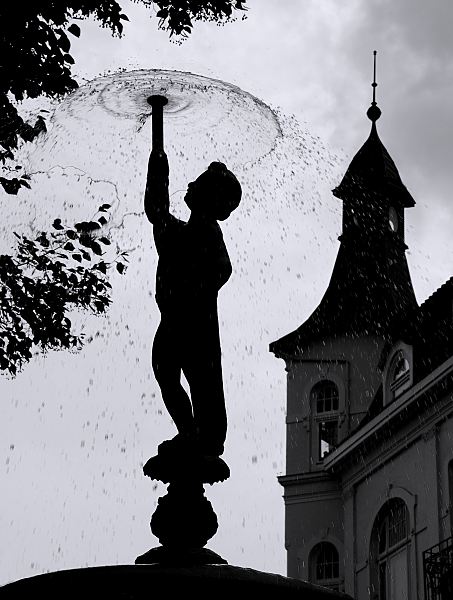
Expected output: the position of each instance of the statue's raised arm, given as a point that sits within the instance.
(157, 204)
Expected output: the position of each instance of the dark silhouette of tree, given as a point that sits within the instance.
(177, 16)
(51, 274)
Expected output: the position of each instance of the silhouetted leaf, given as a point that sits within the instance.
(102, 267)
(120, 268)
(105, 240)
(99, 305)
(96, 248)
(85, 240)
(57, 224)
(102, 220)
(77, 257)
(69, 246)
(11, 186)
(64, 42)
(74, 29)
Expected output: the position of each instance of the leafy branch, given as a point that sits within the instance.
(177, 16)
(55, 272)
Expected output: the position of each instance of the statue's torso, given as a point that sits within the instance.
(193, 264)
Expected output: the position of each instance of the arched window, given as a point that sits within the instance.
(389, 552)
(398, 374)
(325, 565)
(400, 369)
(325, 403)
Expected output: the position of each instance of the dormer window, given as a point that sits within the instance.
(400, 371)
(401, 367)
(398, 375)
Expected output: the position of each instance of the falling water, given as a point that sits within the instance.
(76, 428)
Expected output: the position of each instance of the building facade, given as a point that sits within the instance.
(368, 487)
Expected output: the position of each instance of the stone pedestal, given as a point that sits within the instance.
(184, 520)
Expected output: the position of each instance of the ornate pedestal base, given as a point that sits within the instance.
(184, 520)
(168, 557)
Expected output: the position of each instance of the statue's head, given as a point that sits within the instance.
(215, 193)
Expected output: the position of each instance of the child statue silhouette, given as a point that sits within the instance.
(193, 266)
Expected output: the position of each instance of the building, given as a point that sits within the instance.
(368, 487)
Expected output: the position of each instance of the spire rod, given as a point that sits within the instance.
(374, 112)
(374, 84)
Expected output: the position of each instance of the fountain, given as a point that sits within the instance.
(247, 145)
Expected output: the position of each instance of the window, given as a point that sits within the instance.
(389, 552)
(325, 565)
(398, 373)
(325, 403)
(393, 220)
(326, 395)
(400, 370)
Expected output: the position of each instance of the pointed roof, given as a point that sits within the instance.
(370, 290)
(372, 171)
(367, 295)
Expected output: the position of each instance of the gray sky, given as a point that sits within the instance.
(75, 428)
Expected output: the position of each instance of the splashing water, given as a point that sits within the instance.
(203, 118)
(81, 425)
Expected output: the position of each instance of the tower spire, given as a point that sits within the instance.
(374, 112)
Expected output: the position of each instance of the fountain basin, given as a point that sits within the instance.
(132, 582)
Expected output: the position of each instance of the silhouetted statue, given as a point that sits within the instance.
(193, 266)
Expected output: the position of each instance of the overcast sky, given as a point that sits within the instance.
(75, 428)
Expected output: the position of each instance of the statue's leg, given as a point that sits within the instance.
(202, 367)
(166, 361)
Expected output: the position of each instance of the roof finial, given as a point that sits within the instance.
(374, 112)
